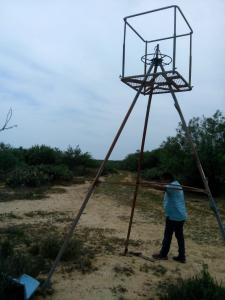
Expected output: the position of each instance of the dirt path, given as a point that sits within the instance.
(116, 276)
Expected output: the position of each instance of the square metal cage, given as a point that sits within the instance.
(161, 81)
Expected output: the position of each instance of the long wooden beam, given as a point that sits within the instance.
(149, 184)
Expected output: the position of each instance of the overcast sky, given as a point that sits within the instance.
(60, 63)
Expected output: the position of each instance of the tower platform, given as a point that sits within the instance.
(159, 82)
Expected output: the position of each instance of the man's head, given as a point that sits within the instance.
(167, 177)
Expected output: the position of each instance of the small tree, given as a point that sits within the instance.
(42, 155)
(75, 159)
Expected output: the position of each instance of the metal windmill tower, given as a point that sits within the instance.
(158, 75)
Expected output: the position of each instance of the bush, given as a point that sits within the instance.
(16, 265)
(13, 263)
(6, 249)
(200, 287)
(75, 251)
(7, 161)
(36, 176)
(76, 160)
(49, 248)
(17, 256)
(152, 174)
(27, 176)
(42, 155)
(111, 167)
(130, 162)
(57, 172)
(41, 165)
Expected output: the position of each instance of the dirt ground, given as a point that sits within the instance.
(116, 276)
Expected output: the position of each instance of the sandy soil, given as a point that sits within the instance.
(142, 277)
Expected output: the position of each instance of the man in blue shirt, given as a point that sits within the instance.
(175, 211)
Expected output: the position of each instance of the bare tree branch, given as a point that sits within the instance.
(7, 120)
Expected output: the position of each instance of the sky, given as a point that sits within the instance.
(60, 63)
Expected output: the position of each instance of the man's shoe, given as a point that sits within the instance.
(180, 259)
(158, 256)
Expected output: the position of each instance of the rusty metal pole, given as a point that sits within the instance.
(138, 173)
(197, 159)
(93, 185)
(141, 157)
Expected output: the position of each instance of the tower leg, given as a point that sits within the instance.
(138, 172)
(141, 154)
(93, 185)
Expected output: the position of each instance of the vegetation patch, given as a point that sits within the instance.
(57, 190)
(36, 176)
(101, 239)
(41, 166)
(123, 270)
(201, 287)
(76, 253)
(9, 215)
(157, 270)
(22, 193)
(118, 291)
(28, 249)
(54, 215)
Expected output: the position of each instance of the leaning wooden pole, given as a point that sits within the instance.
(196, 157)
(93, 185)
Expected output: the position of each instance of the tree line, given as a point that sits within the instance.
(40, 165)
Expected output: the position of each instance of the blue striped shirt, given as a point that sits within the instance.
(174, 203)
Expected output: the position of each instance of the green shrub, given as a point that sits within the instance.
(74, 250)
(30, 176)
(7, 161)
(111, 167)
(200, 287)
(41, 165)
(49, 246)
(56, 172)
(42, 155)
(152, 174)
(130, 162)
(36, 176)
(14, 262)
(61, 172)
(76, 160)
(18, 257)
(3, 286)
(151, 159)
(6, 249)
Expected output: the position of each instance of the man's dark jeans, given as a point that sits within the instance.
(170, 228)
